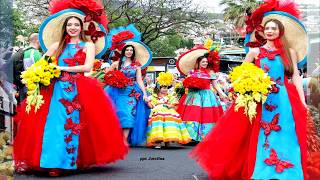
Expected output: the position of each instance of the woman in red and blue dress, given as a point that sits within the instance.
(201, 108)
(274, 146)
(70, 131)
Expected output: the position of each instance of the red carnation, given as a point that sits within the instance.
(122, 36)
(196, 83)
(116, 79)
(97, 65)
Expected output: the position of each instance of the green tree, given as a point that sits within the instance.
(166, 46)
(235, 10)
(21, 26)
(5, 23)
(156, 18)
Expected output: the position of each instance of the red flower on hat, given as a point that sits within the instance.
(122, 36)
(214, 59)
(117, 39)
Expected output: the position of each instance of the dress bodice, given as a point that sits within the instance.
(201, 74)
(72, 55)
(129, 71)
(271, 63)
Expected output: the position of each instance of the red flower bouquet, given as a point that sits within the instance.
(97, 65)
(196, 83)
(116, 79)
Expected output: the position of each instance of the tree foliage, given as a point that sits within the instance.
(235, 10)
(156, 18)
(5, 23)
(167, 45)
(21, 26)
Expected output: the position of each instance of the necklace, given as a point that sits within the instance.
(268, 47)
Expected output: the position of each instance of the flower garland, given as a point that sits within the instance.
(251, 86)
(40, 73)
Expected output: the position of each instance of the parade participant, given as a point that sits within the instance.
(130, 55)
(274, 145)
(165, 124)
(23, 59)
(200, 108)
(70, 130)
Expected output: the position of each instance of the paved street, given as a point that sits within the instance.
(173, 163)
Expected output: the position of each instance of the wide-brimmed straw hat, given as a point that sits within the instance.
(129, 35)
(294, 32)
(187, 61)
(143, 53)
(51, 30)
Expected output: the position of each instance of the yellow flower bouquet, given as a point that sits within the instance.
(251, 86)
(40, 73)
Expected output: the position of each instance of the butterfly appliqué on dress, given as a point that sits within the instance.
(71, 106)
(274, 160)
(269, 127)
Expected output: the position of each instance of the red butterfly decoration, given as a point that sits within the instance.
(266, 68)
(130, 102)
(91, 15)
(70, 150)
(135, 94)
(274, 160)
(259, 27)
(131, 82)
(73, 162)
(79, 57)
(71, 106)
(93, 32)
(68, 138)
(270, 55)
(274, 88)
(278, 81)
(259, 38)
(69, 89)
(69, 77)
(116, 56)
(270, 107)
(75, 128)
(273, 125)
(268, 127)
(254, 44)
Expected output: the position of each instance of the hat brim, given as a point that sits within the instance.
(51, 30)
(187, 61)
(143, 53)
(295, 33)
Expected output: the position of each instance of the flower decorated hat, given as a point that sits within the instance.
(92, 14)
(287, 13)
(187, 61)
(129, 35)
(165, 79)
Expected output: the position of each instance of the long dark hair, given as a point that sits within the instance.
(199, 60)
(62, 42)
(123, 55)
(283, 46)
